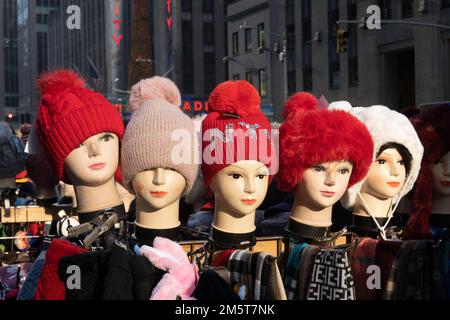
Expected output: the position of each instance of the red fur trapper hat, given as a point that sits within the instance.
(311, 136)
(432, 127)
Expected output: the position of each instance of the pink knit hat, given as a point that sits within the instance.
(148, 142)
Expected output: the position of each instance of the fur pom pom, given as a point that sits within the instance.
(299, 103)
(55, 82)
(154, 88)
(235, 97)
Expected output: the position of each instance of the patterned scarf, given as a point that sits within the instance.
(331, 277)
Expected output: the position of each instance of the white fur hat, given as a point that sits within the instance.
(385, 125)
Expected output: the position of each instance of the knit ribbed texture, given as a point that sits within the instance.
(149, 141)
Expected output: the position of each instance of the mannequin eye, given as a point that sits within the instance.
(261, 176)
(436, 162)
(344, 171)
(319, 168)
(107, 137)
(381, 161)
(236, 176)
(402, 163)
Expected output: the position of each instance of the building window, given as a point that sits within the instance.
(208, 33)
(386, 9)
(445, 4)
(352, 45)
(186, 5)
(236, 76)
(261, 40)
(235, 43)
(334, 64)
(306, 45)
(407, 9)
(208, 6)
(291, 58)
(248, 39)
(209, 70)
(262, 81)
(249, 76)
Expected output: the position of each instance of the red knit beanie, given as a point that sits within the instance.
(310, 136)
(69, 114)
(49, 286)
(235, 130)
(432, 127)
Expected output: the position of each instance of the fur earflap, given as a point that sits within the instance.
(235, 97)
(322, 136)
(298, 104)
(154, 88)
(56, 82)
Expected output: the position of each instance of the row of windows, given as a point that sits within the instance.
(248, 45)
(47, 3)
(262, 80)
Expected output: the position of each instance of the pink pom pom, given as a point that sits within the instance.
(154, 88)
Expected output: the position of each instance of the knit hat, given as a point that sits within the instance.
(235, 130)
(386, 125)
(432, 127)
(311, 135)
(69, 114)
(49, 286)
(148, 141)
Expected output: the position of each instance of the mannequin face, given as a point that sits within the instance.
(159, 187)
(324, 184)
(441, 175)
(241, 187)
(386, 176)
(95, 161)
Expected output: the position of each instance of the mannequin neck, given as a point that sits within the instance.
(440, 204)
(307, 214)
(378, 208)
(146, 236)
(225, 221)
(45, 193)
(97, 198)
(151, 218)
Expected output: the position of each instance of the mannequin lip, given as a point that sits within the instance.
(158, 194)
(327, 194)
(97, 166)
(393, 184)
(445, 183)
(248, 202)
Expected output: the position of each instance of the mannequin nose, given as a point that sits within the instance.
(93, 150)
(394, 170)
(330, 179)
(159, 177)
(446, 168)
(249, 186)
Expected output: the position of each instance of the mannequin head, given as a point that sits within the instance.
(241, 187)
(441, 175)
(323, 153)
(95, 161)
(324, 184)
(387, 174)
(238, 137)
(395, 163)
(148, 166)
(159, 187)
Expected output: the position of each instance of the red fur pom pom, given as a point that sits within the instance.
(299, 103)
(54, 83)
(235, 97)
